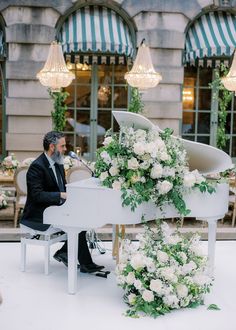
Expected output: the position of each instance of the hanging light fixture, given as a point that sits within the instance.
(143, 74)
(229, 81)
(55, 73)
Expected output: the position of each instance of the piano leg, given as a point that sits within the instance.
(72, 241)
(212, 226)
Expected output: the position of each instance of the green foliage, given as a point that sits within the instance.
(224, 97)
(60, 107)
(136, 104)
(213, 307)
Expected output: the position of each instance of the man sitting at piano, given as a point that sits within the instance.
(46, 187)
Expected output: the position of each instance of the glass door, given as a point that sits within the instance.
(96, 91)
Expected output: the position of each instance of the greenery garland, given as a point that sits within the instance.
(60, 107)
(136, 104)
(224, 97)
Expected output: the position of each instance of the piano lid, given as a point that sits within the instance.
(206, 159)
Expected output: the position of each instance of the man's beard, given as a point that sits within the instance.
(57, 157)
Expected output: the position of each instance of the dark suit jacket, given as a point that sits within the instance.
(42, 192)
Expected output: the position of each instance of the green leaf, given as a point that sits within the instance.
(213, 307)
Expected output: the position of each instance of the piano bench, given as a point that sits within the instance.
(44, 238)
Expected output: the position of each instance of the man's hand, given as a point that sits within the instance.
(63, 195)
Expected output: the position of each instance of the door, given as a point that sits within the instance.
(96, 91)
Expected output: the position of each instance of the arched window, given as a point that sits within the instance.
(98, 44)
(210, 40)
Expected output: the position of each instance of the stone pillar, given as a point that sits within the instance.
(29, 31)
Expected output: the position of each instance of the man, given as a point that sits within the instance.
(46, 187)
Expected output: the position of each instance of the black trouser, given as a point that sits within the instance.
(84, 256)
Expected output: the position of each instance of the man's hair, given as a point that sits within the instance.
(51, 137)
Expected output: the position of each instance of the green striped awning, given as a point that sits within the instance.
(212, 34)
(96, 29)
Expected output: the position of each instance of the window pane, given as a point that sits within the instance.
(234, 124)
(188, 122)
(226, 148)
(203, 122)
(103, 124)
(205, 76)
(189, 98)
(83, 96)
(120, 97)
(227, 124)
(82, 130)
(83, 76)
(69, 127)
(190, 76)
(70, 99)
(203, 139)
(120, 71)
(104, 96)
(204, 100)
(187, 137)
(233, 147)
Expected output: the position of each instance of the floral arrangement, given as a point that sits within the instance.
(69, 162)
(148, 166)
(10, 162)
(3, 200)
(162, 272)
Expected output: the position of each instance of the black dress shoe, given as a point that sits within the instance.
(90, 268)
(61, 257)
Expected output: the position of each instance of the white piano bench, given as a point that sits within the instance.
(44, 238)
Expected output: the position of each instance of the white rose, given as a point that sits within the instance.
(164, 187)
(197, 249)
(169, 275)
(140, 134)
(133, 164)
(164, 156)
(189, 180)
(148, 295)
(107, 140)
(137, 261)
(171, 301)
(139, 148)
(138, 284)
(156, 286)
(106, 157)
(201, 279)
(103, 176)
(116, 185)
(168, 171)
(198, 177)
(113, 170)
(132, 298)
(187, 268)
(130, 278)
(182, 290)
(151, 148)
(162, 256)
(156, 171)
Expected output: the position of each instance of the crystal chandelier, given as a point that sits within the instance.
(143, 74)
(229, 81)
(55, 74)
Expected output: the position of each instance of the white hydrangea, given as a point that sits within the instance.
(137, 261)
(156, 286)
(182, 290)
(162, 256)
(164, 187)
(139, 148)
(148, 295)
(103, 176)
(132, 298)
(156, 171)
(171, 301)
(130, 278)
(114, 170)
(133, 164)
(107, 140)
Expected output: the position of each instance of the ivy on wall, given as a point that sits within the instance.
(60, 107)
(224, 98)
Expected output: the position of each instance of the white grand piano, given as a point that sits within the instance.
(89, 205)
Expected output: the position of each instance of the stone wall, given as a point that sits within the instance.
(31, 26)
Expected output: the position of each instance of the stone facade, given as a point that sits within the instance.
(31, 25)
